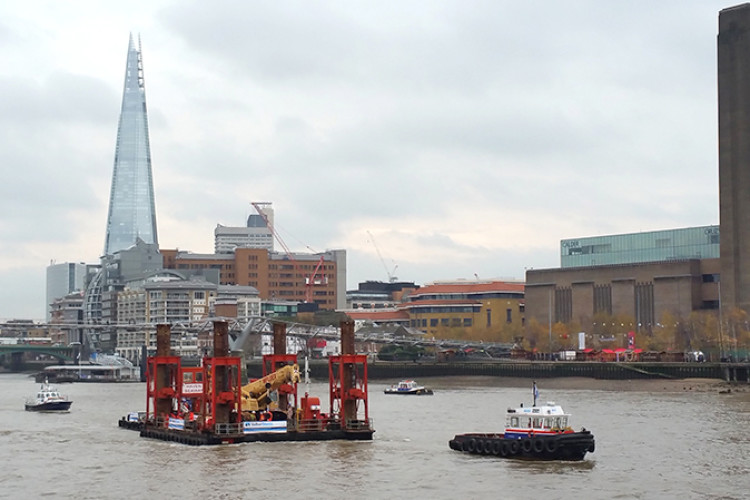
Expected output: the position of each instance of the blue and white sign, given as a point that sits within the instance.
(267, 426)
(177, 424)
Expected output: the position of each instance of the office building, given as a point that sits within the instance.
(131, 245)
(257, 233)
(317, 279)
(652, 246)
(63, 279)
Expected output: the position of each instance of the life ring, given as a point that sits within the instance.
(538, 445)
(470, 445)
(513, 447)
(551, 445)
(526, 445)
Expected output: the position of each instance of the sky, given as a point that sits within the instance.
(433, 140)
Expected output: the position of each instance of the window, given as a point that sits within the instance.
(467, 322)
(509, 315)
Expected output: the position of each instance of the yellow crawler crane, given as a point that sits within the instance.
(255, 395)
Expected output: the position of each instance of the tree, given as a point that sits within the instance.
(534, 332)
(560, 336)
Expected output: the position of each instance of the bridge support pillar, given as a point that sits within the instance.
(16, 362)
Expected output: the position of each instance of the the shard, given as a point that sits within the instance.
(132, 212)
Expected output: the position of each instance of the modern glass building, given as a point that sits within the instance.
(63, 279)
(131, 222)
(132, 212)
(654, 246)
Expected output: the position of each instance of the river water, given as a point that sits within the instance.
(659, 445)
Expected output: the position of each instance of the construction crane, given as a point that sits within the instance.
(391, 277)
(310, 281)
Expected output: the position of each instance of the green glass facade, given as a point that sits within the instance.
(654, 246)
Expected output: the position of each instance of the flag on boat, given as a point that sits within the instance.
(536, 392)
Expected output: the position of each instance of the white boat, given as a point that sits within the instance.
(408, 387)
(48, 399)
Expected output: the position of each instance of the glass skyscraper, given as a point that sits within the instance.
(132, 212)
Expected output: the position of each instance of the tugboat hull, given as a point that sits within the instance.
(570, 446)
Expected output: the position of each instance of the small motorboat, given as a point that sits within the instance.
(531, 433)
(408, 387)
(48, 399)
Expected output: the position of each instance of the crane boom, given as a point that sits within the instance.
(391, 277)
(309, 281)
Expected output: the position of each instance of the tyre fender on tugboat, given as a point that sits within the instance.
(551, 445)
(470, 445)
(497, 447)
(513, 447)
(487, 447)
(537, 444)
(526, 445)
(504, 448)
(480, 447)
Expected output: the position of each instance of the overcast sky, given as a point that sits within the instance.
(467, 137)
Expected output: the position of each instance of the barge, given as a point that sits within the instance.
(531, 433)
(208, 405)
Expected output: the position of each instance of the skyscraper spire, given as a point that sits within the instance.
(132, 210)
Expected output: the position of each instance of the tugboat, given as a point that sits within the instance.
(536, 433)
(48, 399)
(408, 387)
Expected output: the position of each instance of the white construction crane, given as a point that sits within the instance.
(391, 274)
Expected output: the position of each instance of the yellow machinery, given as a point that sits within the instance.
(256, 394)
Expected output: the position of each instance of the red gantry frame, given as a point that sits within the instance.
(224, 399)
(163, 387)
(347, 375)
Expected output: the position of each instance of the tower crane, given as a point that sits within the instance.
(310, 281)
(391, 277)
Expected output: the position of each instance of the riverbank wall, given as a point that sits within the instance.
(379, 370)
